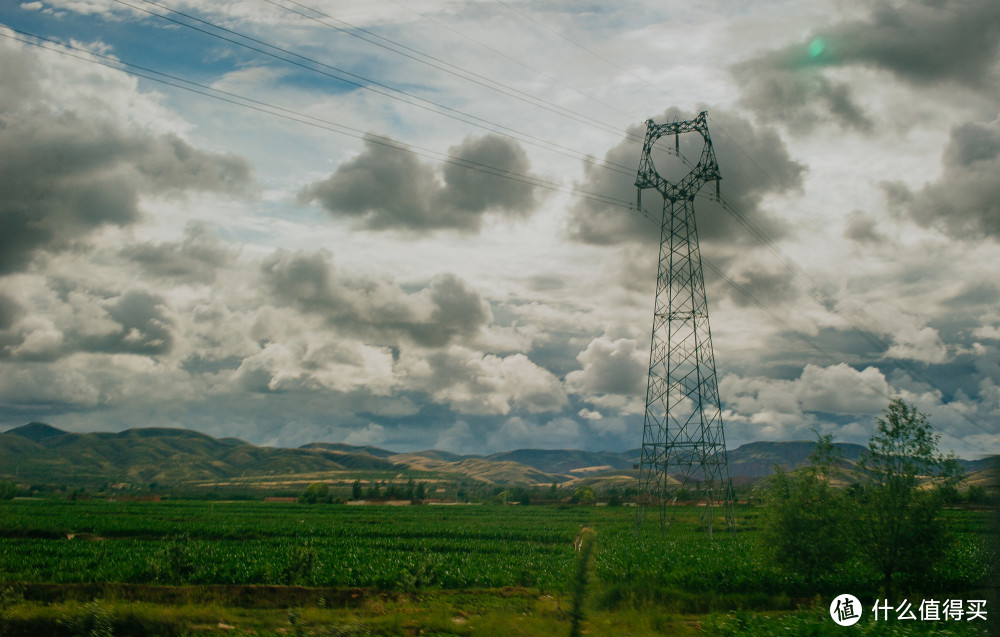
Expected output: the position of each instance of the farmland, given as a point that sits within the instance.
(192, 567)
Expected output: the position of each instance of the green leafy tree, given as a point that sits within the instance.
(901, 534)
(806, 517)
(7, 490)
(976, 495)
(356, 490)
(521, 496)
(614, 498)
(316, 493)
(583, 495)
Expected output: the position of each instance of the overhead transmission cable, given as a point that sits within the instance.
(302, 118)
(568, 39)
(385, 90)
(825, 297)
(442, 65)
(548, 77)
(618, 67)
(628, 134)
(751, 297)
(815, 288)
(828, 300)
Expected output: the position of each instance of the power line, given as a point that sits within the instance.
(750, 158)
(742, 217)
(812, 285)
(547, 76)
(296, 116)
(385, 90)
(447, 67)
(568, 39)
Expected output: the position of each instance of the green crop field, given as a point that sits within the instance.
(253, 543)
(174, 568)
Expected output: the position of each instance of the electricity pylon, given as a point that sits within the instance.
(683, 444)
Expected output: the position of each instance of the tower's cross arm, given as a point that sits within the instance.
(706, 170)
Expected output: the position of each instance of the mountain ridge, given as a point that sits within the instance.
(175, 455)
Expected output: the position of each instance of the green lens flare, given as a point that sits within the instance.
(816, 47)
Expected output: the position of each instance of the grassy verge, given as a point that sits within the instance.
(510, 611)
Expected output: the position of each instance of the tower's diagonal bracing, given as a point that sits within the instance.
(683, 444)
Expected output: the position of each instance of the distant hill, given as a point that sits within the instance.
(563, 461)
(757, 459)
(38, 452)
(445, 456)
(36, 431)
(42, 453)
(748, 462)
(345, 448)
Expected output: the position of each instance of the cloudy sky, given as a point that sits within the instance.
(407, 223)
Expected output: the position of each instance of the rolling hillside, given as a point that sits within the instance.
(40, 453)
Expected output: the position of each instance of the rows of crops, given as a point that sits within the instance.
(248, 520)
(408, 548)
(686, 560)
(262, 543)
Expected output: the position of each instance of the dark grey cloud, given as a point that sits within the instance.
(64, 177)
(753, 161)
(146, 327)
(195, 258)
(64, 174)
(768, 286)
(780, 90)
(475, 191)
(611, 367)
(446, 309)
(971, 296)
(10, 311)
(863, 229)
(458, 310)
(132, 322)
(921, 42)
(965, 201)
(385, 188)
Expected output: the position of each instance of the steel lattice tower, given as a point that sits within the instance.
(683, 444)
